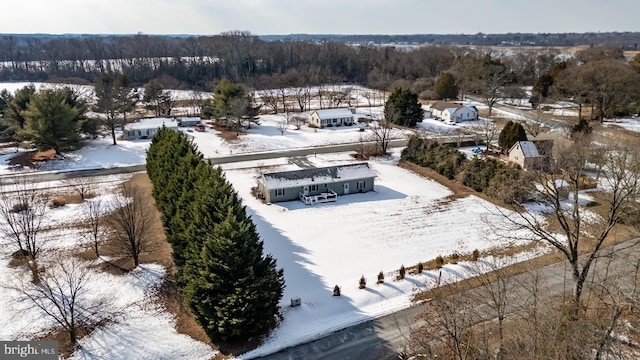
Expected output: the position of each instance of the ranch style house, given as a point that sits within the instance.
(317, 185)
(452, 113)
(332, 117)
(146, 128)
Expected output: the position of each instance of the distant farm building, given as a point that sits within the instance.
(146, 128)
(332, 117)
(319, 185)
(452, 113)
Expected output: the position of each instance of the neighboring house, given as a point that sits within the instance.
(317, 185)
(189, 121)
(332, 117)
(526, 155)
(146, 128)
(452, 113)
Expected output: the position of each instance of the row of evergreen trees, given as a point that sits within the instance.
(231, 287)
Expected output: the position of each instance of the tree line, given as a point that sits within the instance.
(231, 287)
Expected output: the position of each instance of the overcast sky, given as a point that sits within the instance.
(207, 17)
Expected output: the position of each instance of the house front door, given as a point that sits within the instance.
(305, 190)
(346, 188)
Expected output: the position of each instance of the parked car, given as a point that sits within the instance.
(199, 127)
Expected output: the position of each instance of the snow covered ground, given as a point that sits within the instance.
(406, 219)
(139, 327)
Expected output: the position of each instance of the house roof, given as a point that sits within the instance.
(529, 149)
(152, 123)
(334, 113)
(443, 105)
(324, 175)
(197, 118)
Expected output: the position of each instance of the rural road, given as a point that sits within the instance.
(384, 337)
(60, 175)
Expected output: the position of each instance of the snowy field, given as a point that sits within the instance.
(631, 124)
(332, 244)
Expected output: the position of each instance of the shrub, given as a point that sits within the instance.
(57, 202)
(420, 267)
(363, 283)
(336, 290)
(329, 125)
(475, 255)
(454, 258)
(401, 272)
(439, 261)
(380, 278)
(19, 207)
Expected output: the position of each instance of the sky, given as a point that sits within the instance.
(264, 17)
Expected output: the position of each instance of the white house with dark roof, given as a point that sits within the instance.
(316, 185)
(452, 113)
(146, 128)
(332, 117)
(525, 154)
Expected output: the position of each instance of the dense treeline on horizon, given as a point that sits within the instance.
(199, 62)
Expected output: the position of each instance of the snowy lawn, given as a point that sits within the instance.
(138, 327)
(407, 219)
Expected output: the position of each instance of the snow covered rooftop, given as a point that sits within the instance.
(325, 175)
(334, 113)
(529, 149)
(152, 123)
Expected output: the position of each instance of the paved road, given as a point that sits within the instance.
(382, 338)
(61, 175)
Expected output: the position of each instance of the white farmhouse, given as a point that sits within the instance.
(332, 117)
(146, 128)
(452, 113)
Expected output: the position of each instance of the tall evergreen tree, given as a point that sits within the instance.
(238, 289)
(18, 104)
(51, 122)
(510, 134)
(231, 287)
(403, 108)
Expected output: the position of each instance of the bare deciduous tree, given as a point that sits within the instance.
(81, 184)
(22, 212)
(130, 219)
(578, 232)
(487, 130)
(382, 133)
(62, 295)
(94, 212)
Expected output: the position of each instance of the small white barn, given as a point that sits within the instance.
(189, 121)
(332, 117)
(146, 128)
(452, 113)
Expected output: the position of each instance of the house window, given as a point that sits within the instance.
(313, 187)
(279, 192)
(325, 186)
(360, 185)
